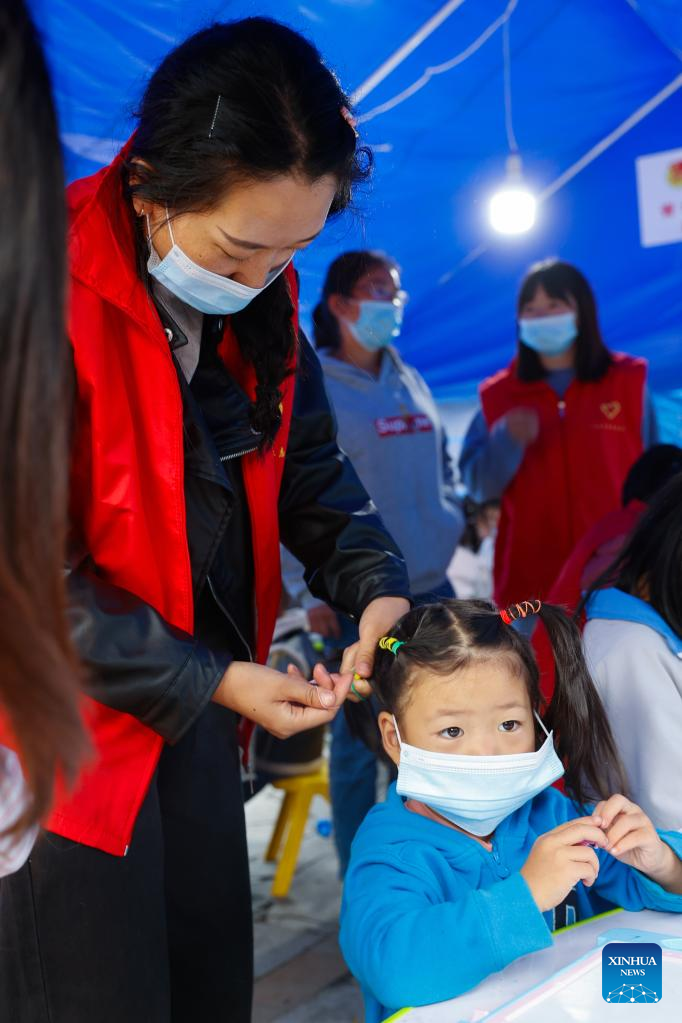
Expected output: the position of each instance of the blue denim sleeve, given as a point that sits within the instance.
(489, 459)
(650, 434)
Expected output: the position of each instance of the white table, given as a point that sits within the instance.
(532, 969)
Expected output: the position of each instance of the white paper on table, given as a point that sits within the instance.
(574, 995)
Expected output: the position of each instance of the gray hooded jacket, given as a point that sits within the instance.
(390, 428)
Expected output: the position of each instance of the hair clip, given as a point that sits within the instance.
(515, 611)
(391, 644)
(215, 116)
(350, 120)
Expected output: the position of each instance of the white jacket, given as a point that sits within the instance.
(14, 800)
(636, 663)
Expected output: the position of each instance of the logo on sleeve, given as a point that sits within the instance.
(631, 972)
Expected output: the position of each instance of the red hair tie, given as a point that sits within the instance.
(515, 611)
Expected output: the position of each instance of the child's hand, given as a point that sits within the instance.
(632, 839)
(560, 858)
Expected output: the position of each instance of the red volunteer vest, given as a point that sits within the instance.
(570, 477)
(128, 497)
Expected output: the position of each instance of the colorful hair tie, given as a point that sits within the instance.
(515, 611)
(391, 644)
(358, 678)
(350, 120)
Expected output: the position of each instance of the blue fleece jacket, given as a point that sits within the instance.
(429, 913)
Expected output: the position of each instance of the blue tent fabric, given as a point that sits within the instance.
(578, 69)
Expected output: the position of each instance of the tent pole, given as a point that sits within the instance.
(623, 128)
(408, 47)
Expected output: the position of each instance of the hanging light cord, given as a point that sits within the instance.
(506, 59)
(439, 69)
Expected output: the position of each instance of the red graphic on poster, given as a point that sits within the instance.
(674, 174)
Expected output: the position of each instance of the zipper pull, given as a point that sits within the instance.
(502, 870)
(561, 406)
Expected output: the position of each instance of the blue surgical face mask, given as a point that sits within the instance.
(378, 324)
(549, 335)
(198, 287)
(476, 793)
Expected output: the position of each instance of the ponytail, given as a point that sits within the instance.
(325, 327)
(268, 316)
(363, 724)
(424, 641)
(582, 735)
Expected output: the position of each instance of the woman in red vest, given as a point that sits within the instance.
(557, 432)
(202, 435)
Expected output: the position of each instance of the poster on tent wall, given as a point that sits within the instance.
(659, 195)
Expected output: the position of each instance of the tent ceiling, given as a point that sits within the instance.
(578, 69)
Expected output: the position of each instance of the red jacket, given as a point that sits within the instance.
(127, 498)
(570, 477)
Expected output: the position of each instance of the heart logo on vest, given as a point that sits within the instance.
(610, 408)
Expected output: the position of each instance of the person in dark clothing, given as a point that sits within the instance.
(202, 435)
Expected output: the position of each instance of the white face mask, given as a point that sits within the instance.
(549, 335)
(378, 325)
(476, 793)
(198, 287)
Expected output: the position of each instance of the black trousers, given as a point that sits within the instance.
(162, 935)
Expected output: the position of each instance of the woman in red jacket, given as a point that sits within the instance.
(202, 435)
(557, 431)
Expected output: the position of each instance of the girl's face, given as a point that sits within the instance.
(255, 229)
(481, 710)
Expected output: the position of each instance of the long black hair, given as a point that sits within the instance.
(649, 566)
(342, 276)
(39, 675)
(651, 471)
(446, 637)
(564, 281)
(238, 101)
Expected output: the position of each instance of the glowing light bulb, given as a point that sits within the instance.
(513, 208)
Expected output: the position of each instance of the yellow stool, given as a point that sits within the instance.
(293, 814)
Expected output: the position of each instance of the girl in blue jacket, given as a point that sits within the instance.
(474, 858)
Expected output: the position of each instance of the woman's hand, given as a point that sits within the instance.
(378, 619)
(523, 425)
(560, 858)
(324, 621)
(282, 704)
(632, 839)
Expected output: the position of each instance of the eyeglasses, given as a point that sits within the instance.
(379, 294)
